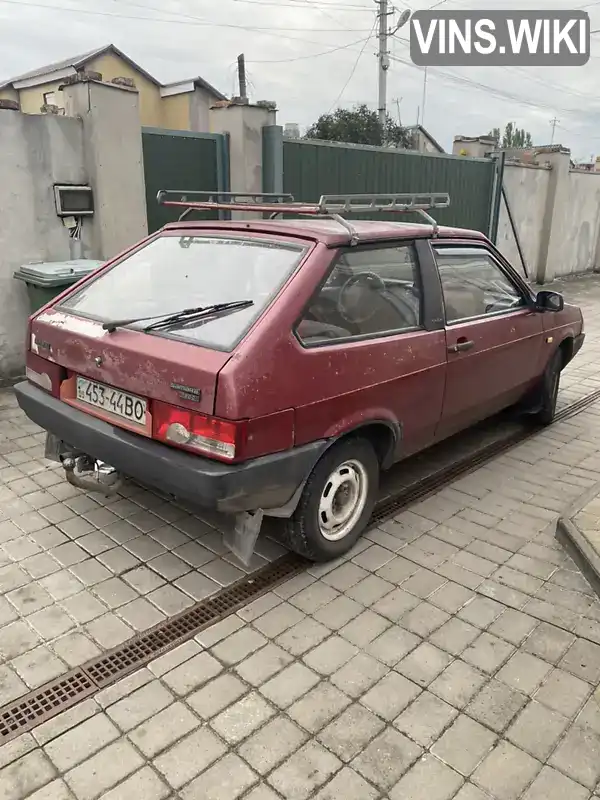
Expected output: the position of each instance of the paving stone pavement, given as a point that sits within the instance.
(453, 655)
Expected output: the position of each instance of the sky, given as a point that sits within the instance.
(312, 56)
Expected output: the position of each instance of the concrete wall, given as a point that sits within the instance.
(577, 223)
(557, 213)
(114, 162)
(35, 153)
(244, 124)
(526, 188)
(98, 143)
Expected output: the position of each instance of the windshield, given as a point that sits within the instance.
(174, 272)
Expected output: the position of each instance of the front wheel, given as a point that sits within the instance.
(336, 503)
(548, 393)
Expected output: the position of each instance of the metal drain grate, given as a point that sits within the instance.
(433, 483)
(166, 635)
(57, 696)
(44, 703)
(577, 405)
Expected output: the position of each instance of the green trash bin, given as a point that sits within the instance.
(47, 279)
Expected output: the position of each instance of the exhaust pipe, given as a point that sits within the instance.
(86, 473)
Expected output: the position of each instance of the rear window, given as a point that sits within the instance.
(172, 273)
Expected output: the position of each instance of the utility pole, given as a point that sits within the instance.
(383, 54)
(554, 123)
(383, 61)
(424, 96)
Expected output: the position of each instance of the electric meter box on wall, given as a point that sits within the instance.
(73, 201)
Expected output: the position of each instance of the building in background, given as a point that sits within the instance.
(182, 105)
(474, 146)
(423, 141)
(291, 130)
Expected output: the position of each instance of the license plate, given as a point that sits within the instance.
(114, 401)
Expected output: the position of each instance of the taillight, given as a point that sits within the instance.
(219, 438)
(43, 373)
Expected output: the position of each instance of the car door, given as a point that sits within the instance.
(494, 335)
(372, 348)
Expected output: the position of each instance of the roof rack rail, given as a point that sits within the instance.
(330, 206)
(220, 199)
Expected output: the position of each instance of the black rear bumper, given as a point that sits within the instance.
(268, 482)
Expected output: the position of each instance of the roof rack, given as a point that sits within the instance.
(330, 206)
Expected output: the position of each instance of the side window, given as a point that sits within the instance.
(473, 284)
(368, 292)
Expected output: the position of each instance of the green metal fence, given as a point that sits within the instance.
(183, 161)
(312, 168)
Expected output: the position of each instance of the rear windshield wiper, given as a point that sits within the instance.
(180, 316)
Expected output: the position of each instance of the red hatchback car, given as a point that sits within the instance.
(276, 367)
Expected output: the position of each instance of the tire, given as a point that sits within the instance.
(351, 468)
(548, 391)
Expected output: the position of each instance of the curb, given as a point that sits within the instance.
(586, 557)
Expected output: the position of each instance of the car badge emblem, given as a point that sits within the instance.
(98, 361)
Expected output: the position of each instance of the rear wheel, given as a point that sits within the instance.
(548, 391)
(336, 503)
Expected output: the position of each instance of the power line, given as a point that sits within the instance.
(320, 11)
(353, 70)
(185, 16)
(578, 133)
(301, 6)
(489, 89)
(186, 20)
(348, 46)
(557, 87)
(507, 95)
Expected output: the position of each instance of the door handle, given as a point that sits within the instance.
(462, 344)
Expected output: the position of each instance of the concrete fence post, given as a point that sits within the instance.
(552, 229)
(272, 159)
(244, 124)
(114, 162)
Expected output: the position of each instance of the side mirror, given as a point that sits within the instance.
(549, 301)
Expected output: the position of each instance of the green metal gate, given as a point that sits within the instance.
(183, 161)
(312, 168)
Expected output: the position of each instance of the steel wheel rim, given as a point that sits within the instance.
(343, 500)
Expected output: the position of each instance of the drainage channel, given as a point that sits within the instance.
(72, 687)
(431, 484)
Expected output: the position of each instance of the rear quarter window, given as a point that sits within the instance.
(172, 273)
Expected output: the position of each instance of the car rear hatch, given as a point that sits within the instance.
(93, 348)
(149, 367)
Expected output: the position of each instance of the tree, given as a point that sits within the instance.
(359, 125)
(513, 136)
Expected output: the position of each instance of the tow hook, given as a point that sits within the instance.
(86, 473)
